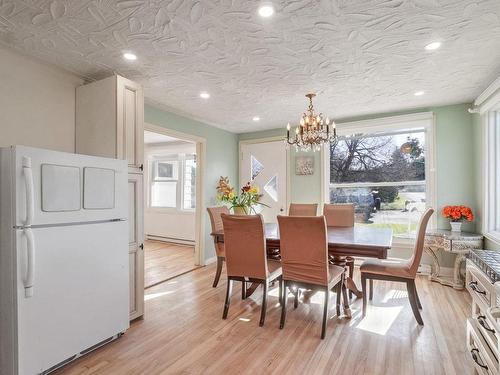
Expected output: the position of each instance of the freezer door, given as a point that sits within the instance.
(80, 293)
(58, 188)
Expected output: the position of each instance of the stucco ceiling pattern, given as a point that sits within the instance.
(360, 56)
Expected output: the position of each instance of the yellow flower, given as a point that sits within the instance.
(254, 190)
(231, 195)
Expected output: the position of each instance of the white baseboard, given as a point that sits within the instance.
(178, 241)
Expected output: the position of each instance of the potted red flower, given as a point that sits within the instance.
(457, 214)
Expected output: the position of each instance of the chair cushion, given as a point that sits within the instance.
(389, 267)
(274, 268)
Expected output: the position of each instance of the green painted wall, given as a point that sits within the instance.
(455, 162)
(221, 155)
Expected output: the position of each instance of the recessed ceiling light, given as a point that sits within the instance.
(419, 93)
(204, 95)
(266, 10)
(256, 118)
(129, 56)
(432, 46)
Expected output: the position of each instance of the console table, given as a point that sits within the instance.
(459, 243)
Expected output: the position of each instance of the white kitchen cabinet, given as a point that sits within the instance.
(110, 120)
(110, 123)
(136, 245)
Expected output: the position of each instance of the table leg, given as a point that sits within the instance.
(349, 283)
(251, 289)
(435, 268)
(457, 279)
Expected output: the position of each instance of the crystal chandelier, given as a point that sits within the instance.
(313, 130)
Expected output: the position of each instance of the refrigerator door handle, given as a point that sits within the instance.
(30, 191)
(29, 279)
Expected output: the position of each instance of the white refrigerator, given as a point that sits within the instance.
(64, 287)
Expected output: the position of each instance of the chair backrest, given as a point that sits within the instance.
(339, 214)
(216, 221)
(418, 249)
(304, 249)
(245, 245)
(303, 209)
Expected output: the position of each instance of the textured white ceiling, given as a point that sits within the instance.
(360, 56)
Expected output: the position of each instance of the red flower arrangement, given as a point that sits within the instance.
(458, 213)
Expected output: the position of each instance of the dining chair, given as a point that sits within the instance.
(246, 258)
(400, 270)
(304, 259)
(303, 209)
(341, 215)
(216, 221)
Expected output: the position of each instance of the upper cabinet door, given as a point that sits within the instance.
(130, 123)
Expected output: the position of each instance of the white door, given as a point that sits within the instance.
(58, 188)
(136, 246)
(79, 296)
(130, 119)
(265, 165)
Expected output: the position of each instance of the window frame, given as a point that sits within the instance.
(422, 120)
(180, 180)
(488, 107)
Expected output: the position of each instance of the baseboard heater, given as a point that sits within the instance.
(180, 241)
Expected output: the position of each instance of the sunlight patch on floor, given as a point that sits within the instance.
(151, 296)
(395, 294)
(379, 319)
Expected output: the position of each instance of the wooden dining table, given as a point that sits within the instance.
(358, 241)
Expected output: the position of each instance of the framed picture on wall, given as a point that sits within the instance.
(304, 165)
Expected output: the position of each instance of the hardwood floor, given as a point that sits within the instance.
(163, 260)
(183, 333)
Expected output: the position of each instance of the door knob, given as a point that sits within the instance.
(281, 209)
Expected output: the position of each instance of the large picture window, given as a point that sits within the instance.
(172, 182)
(385, 171)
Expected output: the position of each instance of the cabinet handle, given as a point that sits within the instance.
(482, 321)
(141, 246)
(141, 167)
(475, 357)
(473, 286)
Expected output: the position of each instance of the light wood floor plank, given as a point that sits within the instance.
(183, 333)
(164, 260)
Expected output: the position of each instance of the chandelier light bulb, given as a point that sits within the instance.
(288, 126)
(297, 130)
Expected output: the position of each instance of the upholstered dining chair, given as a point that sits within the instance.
(246, 257)
(303, 209)
(304, 259)
(216, 221)
(341, 215)
(398, 270)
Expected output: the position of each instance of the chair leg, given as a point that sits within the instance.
(280, 290)
(283, 305)
(243, 290)
(347, 309)
(228, 298)
(296, 299)
(412, 295)
(351, 271)
(264, 305)
(363, 289)
(418, 299)
(325, 314)
(220, 261)
(371, 289)
(339, 295)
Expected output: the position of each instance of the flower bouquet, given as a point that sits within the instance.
(244, 202)
(457, 214)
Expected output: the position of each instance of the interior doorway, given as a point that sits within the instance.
(172, 177)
